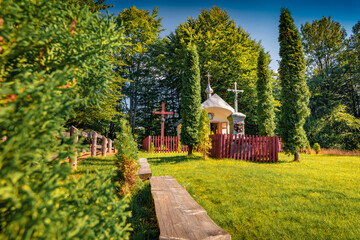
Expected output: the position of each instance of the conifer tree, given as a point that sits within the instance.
(265, 108)
(190, 98)
(204, 132)
(46, 55)
(294, 93)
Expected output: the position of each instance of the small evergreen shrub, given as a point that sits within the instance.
(308, 148)
(179, 148)
(125, 162)
(204, 145)
(317, 148)
(152, 148)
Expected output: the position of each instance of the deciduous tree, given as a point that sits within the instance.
(141, 30)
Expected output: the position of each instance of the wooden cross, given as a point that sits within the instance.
(163, 113)
(236, 96)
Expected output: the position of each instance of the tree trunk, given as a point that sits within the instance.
(297, 157)
(190, 152)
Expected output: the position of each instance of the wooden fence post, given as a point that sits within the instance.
(103, 146)
(109, 145)
(93, 143)
(72, 132)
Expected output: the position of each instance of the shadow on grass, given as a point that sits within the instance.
(172, 159)
(143, 220)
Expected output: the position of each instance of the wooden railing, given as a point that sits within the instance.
(105, 147)
(169, 145)
(249, 148)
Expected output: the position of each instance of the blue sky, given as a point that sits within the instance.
(260, 18)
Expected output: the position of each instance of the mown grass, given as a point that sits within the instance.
(318, 198)
(143, 219)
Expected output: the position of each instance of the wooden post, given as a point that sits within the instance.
(109, 145)
(149, 144)
(93, 143)
(72, 132)
(103, 146)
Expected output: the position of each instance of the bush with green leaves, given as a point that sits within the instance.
(125, 162)
(308, 148)
(50, 51)
(204, 134)
(179, 147)
(317, 148)
(152, 148)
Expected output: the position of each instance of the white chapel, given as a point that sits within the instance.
(219, 112)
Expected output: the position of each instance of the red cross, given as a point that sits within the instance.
(163, 113)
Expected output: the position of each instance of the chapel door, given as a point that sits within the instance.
(214, 127)
(222, 128)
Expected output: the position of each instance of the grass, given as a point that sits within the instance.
(318, 198)
(143, 220)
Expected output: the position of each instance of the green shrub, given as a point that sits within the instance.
(308, 148)
(125, 162)
(152, 148)
(204, 145)
(44, 63)
(179, 148)
(317, 148)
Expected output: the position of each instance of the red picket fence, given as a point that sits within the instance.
(249, 148)
(169, 146)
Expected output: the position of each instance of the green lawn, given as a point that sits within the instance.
(318, 198)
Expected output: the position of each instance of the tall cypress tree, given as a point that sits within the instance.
(294, 93)
(190, 98)
(265, 108)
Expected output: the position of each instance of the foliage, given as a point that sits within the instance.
(141, 30)
(336, 129)
(226, 51)
(92, 5)
(48, 51)
(333, 84)
(317, 148)
(294, 90)
(190, 99)
(125, 162)
(265, 108)
(179, 147)
(322, 41)
(152, 148)
(308, 148)
(245, 194)
(204, 134)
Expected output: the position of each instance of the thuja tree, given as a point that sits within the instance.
(294, 90)
(265, 108)
(204, 133)
(125, 161)
(190, 99)
(48, 50)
